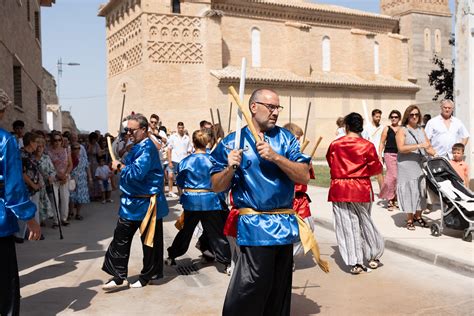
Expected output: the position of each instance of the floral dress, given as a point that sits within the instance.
(79, 173)
(47, 170)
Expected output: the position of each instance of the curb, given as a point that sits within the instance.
(436, 259)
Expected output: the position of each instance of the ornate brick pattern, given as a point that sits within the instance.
(125, 48)
(174, 39)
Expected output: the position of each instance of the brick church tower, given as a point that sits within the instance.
(428, 25)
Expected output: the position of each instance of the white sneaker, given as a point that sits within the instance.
(110, 201)
(172, 195)
(228, 270)
(103, 202)
(138, 284)
(112, 285)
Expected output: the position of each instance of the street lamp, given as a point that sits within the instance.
(60, 70)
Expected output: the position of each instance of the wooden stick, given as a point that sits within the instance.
(219, 118)
(212, 116)
(316, 146)
(305, 144)
(111, 151)
(244, 112)
(306, 124)
(230, 117)
(290, 108)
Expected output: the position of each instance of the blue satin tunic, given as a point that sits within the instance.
(14, 197)
(142, 175)
(194, 173)
(262, 186)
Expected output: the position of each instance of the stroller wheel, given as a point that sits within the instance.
(435, 231)
(467, 236)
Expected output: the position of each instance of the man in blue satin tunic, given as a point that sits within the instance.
(142, 206)
(262, 187)
(14, 204)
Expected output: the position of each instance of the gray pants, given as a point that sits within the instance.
(357, 237)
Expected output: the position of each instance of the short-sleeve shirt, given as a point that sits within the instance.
(180, 146)
(261, 185)
(30, 168)
(442, 139)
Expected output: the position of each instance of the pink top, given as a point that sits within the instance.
(59, 158)
(462, 169)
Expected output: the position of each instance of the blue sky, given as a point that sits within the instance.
(71, 30)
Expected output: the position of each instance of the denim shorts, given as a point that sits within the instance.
(174, 169)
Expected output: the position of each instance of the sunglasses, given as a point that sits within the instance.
(128, 130)
(153, 122)
(394, 117)
(414, 114)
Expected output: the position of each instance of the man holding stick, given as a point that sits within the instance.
(142, 205)
(262, 187)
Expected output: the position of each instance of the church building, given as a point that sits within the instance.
(177, 58)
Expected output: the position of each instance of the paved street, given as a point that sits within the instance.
(64, 277)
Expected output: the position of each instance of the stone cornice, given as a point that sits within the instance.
(307, 13)
(448, 15)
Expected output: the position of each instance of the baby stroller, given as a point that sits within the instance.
(457, 201)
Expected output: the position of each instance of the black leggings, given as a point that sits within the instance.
(213, 226)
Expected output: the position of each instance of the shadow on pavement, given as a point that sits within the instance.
(301, 305)
(338, 260)
(55, 300)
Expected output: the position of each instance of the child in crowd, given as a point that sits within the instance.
(459, 164)
(103, 175)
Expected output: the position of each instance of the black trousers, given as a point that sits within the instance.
(204, 239)
(9, 279)
(261, 282)
(118, 253)
(213, 226)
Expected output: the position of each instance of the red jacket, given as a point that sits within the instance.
(353, 161)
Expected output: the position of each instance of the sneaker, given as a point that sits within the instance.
(172, 195)
(170, 261)
(138, 284)
(115, 284)
(103, 202)
(110, 201)
(228, 269)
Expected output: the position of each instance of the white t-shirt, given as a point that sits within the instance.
(442, 139)
(180, 147)
(103, 172)
(373, 134)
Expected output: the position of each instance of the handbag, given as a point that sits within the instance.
(72, 185)
(423, 157)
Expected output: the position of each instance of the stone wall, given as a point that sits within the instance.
(20, 47)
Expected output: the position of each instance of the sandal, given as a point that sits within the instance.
(374, 263)
(356, 269)
(420, 221)
(410, 225)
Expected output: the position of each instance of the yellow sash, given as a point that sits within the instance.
(149, 222)
(197, 190)
(306, 235)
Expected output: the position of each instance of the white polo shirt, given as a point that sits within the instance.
(373, 134)
(442, 139)
(180, 147)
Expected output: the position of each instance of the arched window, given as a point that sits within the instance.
(376, 58)
(438, 45)
(256, 61)
(427, 39)
(326, 48)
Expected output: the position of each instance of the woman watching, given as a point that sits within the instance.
(82, 175)
(61, 159)
(48, 173)
(388, 150)
(413, 145)
(353, 160)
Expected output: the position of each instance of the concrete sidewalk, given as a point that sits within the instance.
(448, 251)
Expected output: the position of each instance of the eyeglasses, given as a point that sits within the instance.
(414, 114)
(128, 130)
(271, 107)
(394, 117)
